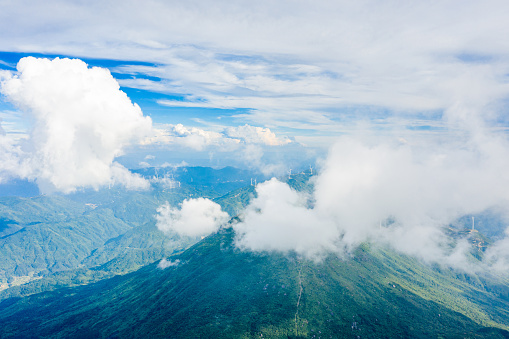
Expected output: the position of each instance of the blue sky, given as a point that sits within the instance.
(299, 74)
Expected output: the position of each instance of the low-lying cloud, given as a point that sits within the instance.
(279, 219)
(195, 217)
(388, 193)
(81, 121)
(164, 263)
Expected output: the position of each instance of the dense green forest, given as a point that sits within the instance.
(216, 291)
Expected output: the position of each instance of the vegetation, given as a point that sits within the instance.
(218, 291)
(82, 252)
(50, 241)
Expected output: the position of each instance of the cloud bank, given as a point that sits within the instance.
(230, 138)
(80, 122)
(196, 217)
(387, 193)
(249, 143)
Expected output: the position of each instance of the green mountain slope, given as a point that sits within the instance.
(221, 180)
(213, 290)
(114, 229)
(53, 241)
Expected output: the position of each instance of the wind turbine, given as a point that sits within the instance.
(311, 170)
(290, 174)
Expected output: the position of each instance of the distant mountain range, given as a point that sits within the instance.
(48, 241)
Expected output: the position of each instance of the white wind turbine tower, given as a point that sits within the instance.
(311, 170)
(290, 174)
(473, 224)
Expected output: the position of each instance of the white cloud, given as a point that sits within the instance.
(361, 185)
(229, 138)
(175, 166)
(194, 138)
(256, 135)
(250, 143)
(196, 217)
(81, 122)
(163, 264)
(290, 63)
(393, 194)
(252, 155)
(11, 164)
(167, 181)
(278, 219)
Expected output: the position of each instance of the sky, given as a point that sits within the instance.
(401, 106)
(308, 71)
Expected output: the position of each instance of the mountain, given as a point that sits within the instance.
(114, 229)
(53, 241)
(18, 188)
(214, 290)
(221, 180)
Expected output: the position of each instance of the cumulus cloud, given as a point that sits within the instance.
(393, 194)
(81, 122)
(256, 135)
(361, 184)
(279, 219)
(229, 138)
(196, 217)
(250, 143)
(190, 137)
(11, 154)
